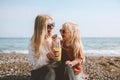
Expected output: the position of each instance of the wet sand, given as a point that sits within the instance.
(16, 67)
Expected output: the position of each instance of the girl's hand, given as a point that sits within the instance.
(70, 63)
(54, 37)
(73, 63)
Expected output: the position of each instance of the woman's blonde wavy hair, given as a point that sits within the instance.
(75, 41)
(40, 33)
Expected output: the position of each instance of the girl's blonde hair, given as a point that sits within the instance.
(40, 33)
(75, 41)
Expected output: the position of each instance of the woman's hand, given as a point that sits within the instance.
(50, 55)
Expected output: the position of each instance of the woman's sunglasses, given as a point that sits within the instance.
(51, 24)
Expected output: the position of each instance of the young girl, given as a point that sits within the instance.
(72, 49)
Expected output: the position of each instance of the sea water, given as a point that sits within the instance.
(91, 46)
(14, 45)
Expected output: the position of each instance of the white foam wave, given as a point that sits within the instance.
(15, 51)
(102, 52)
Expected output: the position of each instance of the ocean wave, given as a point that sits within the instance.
(86, 52)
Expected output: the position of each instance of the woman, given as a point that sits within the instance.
(40, 52)
(72, 49)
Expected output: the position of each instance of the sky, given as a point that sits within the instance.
(95, 18)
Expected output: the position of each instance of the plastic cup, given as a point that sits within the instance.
(57, 52)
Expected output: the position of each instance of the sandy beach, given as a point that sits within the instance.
(16, 67)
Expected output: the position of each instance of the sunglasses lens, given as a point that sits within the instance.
(62, 31)
(51, 24)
